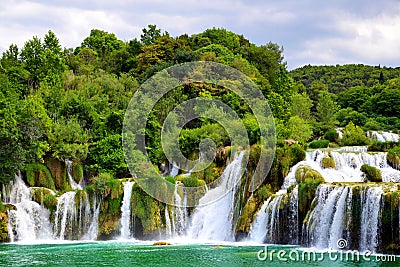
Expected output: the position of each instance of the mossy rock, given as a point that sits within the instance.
(146, 209)
(393, 157)
(371, 173)
(44, 196)
(77, 172)
(247, 216)
(3, 227)
(304, 173)
(59, 173)
(328, 162)
(39, 175)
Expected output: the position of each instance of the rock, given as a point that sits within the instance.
(161, 243)
(304, 173)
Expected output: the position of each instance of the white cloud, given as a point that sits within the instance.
(316, 32)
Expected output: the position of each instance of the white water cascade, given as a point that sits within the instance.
(74, 185)
(258, 229)
(126, 211)
(74, 222)
(347, 166)
(330, 220)
(179, 212)
(273, 223)
(383, 136)
(29, 221)
(213, 218)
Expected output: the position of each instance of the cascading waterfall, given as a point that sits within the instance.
(213, 218)
(29, 221)
(168, 228)
(347, 168)
(371, 205)
(383, 136)
(126, 211)
(179, 212)
(74, 222)
(74, 185)
(277, 220)
(258, 229)
(330, 220)
(65, 213)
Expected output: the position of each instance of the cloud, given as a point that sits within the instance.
(315, 32)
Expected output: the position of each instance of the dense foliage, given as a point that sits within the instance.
(70, 103)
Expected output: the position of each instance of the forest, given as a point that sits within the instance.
(69, 103)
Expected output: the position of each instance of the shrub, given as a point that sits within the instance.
(39, 175)
(382, 146)
(393, 157)
(77, 172)
(170, 179)
(331, 135)
(354, 136)
(319, 144)
(100, 182)
(328, 162)
(190, 181)
(371, 173)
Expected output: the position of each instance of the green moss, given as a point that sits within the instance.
(59, 172)
(77, 172)
(328, 162)
(50, 202)
(3, 227)
(190, 181)
(263, 192)
(39, 175)
(371, 173)
(146, 209)
(170, 179)
(304, 173)
(247, 216)
(393, 157)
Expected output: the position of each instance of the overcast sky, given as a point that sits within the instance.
(310, 31)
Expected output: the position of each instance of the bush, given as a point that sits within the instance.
(100, 182)
(354, 136)
(332, 135)
(319, 144)
(382, 146)
(371, 173)
(393, 157)
(170, 179)
(77, 172)
(39, 175)
(328, 162)
(190, 181)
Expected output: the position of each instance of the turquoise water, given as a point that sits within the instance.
(112, 253)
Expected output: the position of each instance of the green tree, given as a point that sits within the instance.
(300, 130)
(300, 105)
(354, 136)
(326, 108)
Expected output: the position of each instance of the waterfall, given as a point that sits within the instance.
(74, 185)
(347, 166)
(383, 136)
(331, 217)
(258, 229)
(370, 200)
(74, 222)
(94, 224)
(126, 211)
(29, 221)
(294, 216)
(65, 215)
(179, 212)
(168, 229)
(213, 218)
(174, 170)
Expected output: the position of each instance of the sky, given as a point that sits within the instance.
(312, 32)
